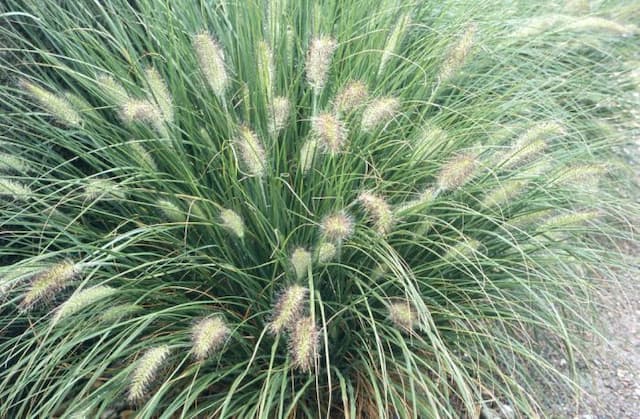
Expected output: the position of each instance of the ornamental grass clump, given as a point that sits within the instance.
(290, 209)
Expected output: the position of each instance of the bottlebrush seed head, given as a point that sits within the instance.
(160, 93)
(207, 336)
(318, 61)
(326, 252)
(96, 189)
(112, 89)
(56, 105)
(171, 211)
(288, 308)
(80, 300)
(211, 60)
(456, 172)
(403, 315)
(300, 261)
(337, 227)
(14, 190)
(279, 115)
(394, 39)
(146, 371)
(119, 311)
(307, 154)
(142, 111)
(379, 112)
(11, 163)
(47, 283)
(142, 156)
(330, 132)
(379, 210)
(504, 193)
(304, 344)
(232, 222)
(266, 66)
(351, 97)
(251, 152)
(458, 53)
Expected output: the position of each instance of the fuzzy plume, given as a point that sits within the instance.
(300, 261)
(211, 60)
(582, 174)
(118, 312)
(379, 112)
(46, 284)
(80, 300)
(232, 222)
(279, 114)
(330, 132)
(394, 40)
(379, 211)
(337, 227)
(171, 211)
(403, 315)
(56, 105)
(326, 252)
(351, 97)
(142, 156)
(102, 189)
(304, 344)
(266, 67)
(145, 372)
(143, 111)
(207, 336)
(458, 53)
(465, 248)
(251, 152)
(11, 163)
(570, 219)
(113, 90)
(318, 61)
(288, 308)
(307, 154)
(160, 93)
(456, 172)
(504, 193)
(14, 190)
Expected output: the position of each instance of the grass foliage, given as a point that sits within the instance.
(304, 209)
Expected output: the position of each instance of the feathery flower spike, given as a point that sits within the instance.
(11, 163)
(330, 132)
(251, 152)
(379, 210)
(394, 39)
(288, 308)
(57, 105)
(307, 154)
(47, 283)
(379, 112)
(456, 172)
(14, 190)
(304, 344)
(300, 260)
(211, 60)
(160, 93)
(337, 227)
(80, 300)
(112, 89)
(146, 371)
(318, 61)
(403, 315)
(207, 336)
(351, 97)
(232, 222)
(458, 53)
(326, 252)
(280, 109)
